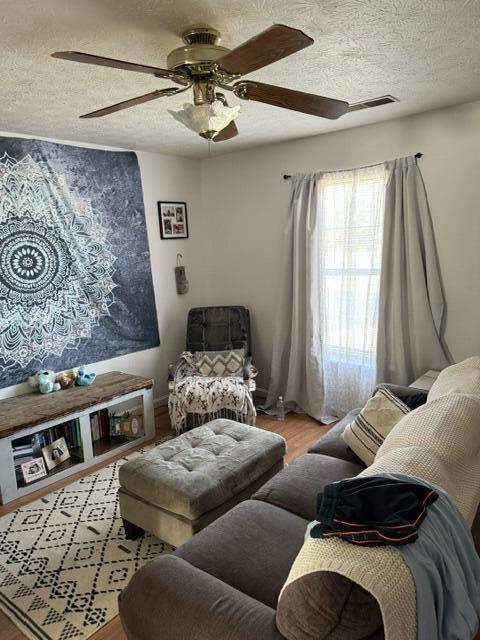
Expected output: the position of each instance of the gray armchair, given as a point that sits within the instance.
(216, 329)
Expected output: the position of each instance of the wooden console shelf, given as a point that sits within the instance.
(34, 413)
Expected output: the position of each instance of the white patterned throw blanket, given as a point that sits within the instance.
(439, 443)
(208, 396)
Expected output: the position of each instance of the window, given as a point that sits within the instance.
(349, 234)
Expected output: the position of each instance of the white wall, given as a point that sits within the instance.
(245, 202)
(237, 208)
(163, 178)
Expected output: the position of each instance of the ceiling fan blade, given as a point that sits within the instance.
(275, 43)
(77, 56)
(230, 131)
(289, 99)
(126, 104)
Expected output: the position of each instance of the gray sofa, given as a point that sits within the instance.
(224, 583)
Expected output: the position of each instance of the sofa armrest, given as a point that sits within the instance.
(170, 598)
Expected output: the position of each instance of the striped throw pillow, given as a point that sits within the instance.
(366, 433)
(220, 363)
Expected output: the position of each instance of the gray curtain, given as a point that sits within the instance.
(296, 358)
(412, 303)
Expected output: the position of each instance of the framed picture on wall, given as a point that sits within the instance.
(173, 220)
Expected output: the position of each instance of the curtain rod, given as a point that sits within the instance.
(287, 177)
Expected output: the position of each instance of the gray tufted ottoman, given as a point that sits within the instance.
(182, 485)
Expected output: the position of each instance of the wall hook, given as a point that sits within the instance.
(180, 276)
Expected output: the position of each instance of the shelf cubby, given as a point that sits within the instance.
(33, 421)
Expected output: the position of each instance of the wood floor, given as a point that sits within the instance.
(299, 431)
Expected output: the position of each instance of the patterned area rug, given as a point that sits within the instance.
(64, 558)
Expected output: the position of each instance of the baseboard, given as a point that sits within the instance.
(161, 405)
(161, 401)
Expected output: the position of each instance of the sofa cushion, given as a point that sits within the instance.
(251, 548)
(169, 599)
(296, 487)
(327, 606)
(333, 445)
(368, 430)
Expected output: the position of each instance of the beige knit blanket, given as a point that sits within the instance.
(463, 377)
(438, 442)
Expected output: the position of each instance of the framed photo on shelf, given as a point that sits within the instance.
(173, 220)
(55, 453)
(127, 426)
(33, 470)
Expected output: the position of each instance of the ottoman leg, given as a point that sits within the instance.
(132, 531)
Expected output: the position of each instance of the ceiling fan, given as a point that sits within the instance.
(204, 66)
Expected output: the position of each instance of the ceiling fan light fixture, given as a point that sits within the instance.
(206, 119)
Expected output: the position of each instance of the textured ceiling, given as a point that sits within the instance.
(424, 52)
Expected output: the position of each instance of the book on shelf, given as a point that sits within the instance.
(68, 438)
(78, 434)
(71, 433)
(18, 461)
(100, 424)
(94, 427)
(23, 447)
(21, 452)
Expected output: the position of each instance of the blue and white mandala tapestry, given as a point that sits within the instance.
(75, 278)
